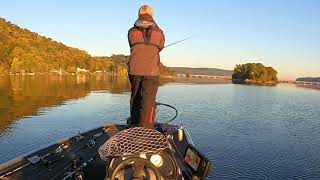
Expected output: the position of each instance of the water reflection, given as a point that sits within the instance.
(249, 132)
(22, 96)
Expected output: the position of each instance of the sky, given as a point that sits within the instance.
(284, 34)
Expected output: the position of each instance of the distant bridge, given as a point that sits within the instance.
(301, 83)
(206, 76)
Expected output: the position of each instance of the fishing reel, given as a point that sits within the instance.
(77, 169)
(77, 176)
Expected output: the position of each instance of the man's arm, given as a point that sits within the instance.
(129, 37)
(162, 41)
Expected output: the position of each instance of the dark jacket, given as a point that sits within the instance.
(146, 40)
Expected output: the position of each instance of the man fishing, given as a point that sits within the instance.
(146, 40)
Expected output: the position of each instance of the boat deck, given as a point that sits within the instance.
(60, 160)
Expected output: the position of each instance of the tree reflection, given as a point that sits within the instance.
(23, 96)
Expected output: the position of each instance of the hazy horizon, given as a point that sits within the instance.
(282, 34)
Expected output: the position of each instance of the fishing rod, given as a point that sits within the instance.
(91, 143)
(174, 43)
(178, 41)
(36, 159)
(77, 170)
(44, 158)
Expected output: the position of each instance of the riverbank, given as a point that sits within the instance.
(163, 78)
(191, 80)
(87, 73)
(255, 82)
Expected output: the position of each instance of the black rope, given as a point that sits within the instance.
(167, 105)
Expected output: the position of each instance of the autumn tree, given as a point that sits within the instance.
(24, 51)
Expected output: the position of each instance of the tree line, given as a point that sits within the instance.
(24, 51)
(254, 72)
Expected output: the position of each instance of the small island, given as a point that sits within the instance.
(254, 73)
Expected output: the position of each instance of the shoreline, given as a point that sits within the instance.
(248, 81)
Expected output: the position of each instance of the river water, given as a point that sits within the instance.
(248, 132)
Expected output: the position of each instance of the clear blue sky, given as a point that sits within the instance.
(284, 34)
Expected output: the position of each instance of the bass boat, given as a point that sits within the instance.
(115, 152)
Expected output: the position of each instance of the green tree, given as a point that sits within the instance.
(254, 71)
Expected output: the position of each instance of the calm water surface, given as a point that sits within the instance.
(249, 132)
